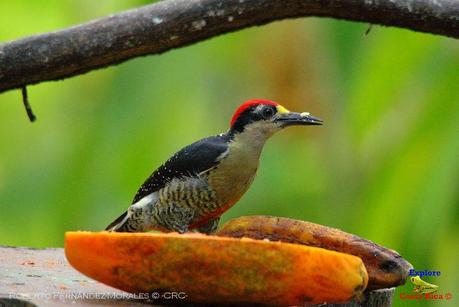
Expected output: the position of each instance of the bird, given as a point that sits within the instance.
(194, 187)
(422, 286)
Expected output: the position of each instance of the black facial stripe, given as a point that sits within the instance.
(245, 118)
(251, 115)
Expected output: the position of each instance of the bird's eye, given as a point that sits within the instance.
(267, 112)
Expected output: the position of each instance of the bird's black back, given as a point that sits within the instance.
(189, 161)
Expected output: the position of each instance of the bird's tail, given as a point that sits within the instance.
(135, 219)
(120, 224)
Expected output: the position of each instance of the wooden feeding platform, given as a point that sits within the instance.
(43, 277)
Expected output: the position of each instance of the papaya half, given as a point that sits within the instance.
(385, 267)
(213, 269)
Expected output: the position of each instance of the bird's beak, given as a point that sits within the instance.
(297, 119)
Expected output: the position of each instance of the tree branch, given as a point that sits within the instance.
(169, 24)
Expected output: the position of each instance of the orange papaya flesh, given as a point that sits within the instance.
(385, 267)
(211, 269)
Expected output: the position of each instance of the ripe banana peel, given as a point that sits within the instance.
(385, 267)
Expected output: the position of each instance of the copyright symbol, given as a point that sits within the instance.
(448, 296)
(155, 295)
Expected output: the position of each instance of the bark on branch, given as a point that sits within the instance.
(169, 24)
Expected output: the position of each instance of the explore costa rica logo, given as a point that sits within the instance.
(422, 289)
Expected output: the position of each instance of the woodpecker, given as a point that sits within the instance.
(192, 189)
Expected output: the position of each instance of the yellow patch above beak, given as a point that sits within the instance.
(282, 110)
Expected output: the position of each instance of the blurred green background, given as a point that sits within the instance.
(385, 165)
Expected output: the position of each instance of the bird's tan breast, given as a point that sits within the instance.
(234, 175)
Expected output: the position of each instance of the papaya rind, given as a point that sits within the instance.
(212, 269)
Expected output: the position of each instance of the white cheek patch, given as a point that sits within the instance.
(261, 130)
(304, 114)
(258, 108)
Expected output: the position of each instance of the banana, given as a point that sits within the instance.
(385, 267)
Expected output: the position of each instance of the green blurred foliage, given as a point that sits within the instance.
(385, 165)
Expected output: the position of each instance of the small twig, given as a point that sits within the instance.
(370, 26)
(25, 100)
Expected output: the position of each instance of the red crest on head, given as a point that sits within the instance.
(248, 104)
